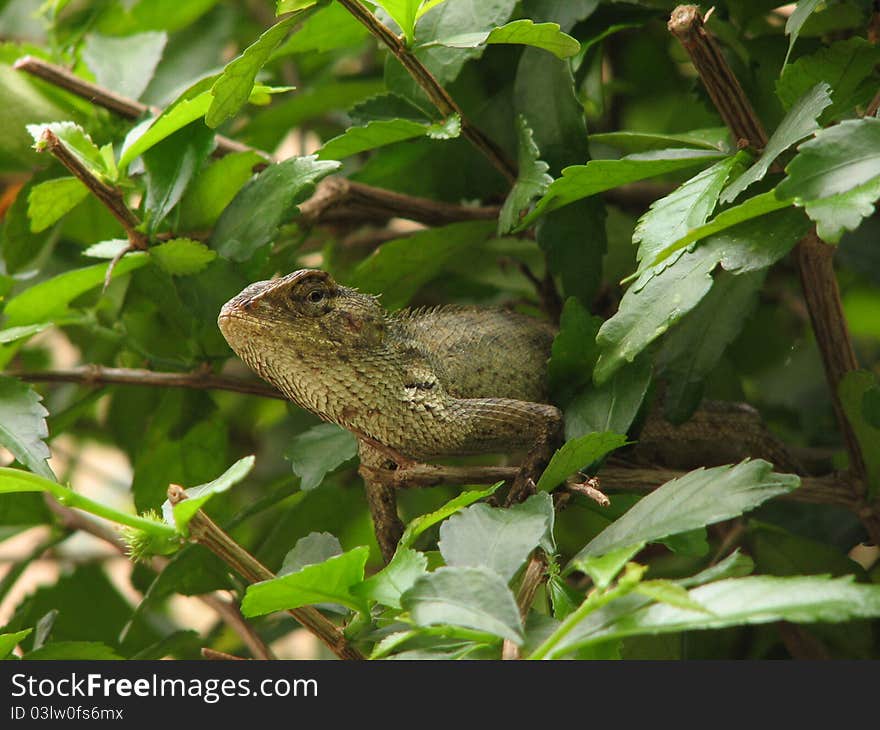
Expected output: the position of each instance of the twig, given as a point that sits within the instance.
(545, 288)
(439, 97)
(375, 467)
(814, 257)
(533, 576)
(723, 87)
(205, 532)
(588, 487)
(338, 199)
(873, 106)
(334, 200)
(98, 375)
(110, 196)
(74, 520)
(99, 96)
(215, 655)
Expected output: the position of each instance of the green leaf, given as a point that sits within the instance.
(800, 121)
(170, 166)
(574, 351)
(419, 524)
(327, 582)
(531, 182)
(232, 88)
(50, 298)
(522, 32)
(573, 240)
(182, 256)
(857, 390)
(76, 141)
(192, 104)
(701, 497)
(179, 644)
(630, 142)
(181, 513)
(835, 175)
(499, 539)
(645, 313)
(253, 217)
(395, 579)
(404, 13)
(331, 27)
(445, 19)
(23, 425)
(563, 597)
(581, 181)
(150, 132)
(735, 565)
(612, 406)
(214, 188)
(13, 334)
(8, 642)
(291, 6)
(383, 132)
(692, 350)
(759, 205)
(50, 200)
(314, 548)
(125, 64)
(796, 21)
(837, 214)
(665, 591)
(733, 602)
(578, 454)
(685, 208)
(399, 268)
(107, 249)
(475, 598)
(603, 569)
(846, 66)
(315, 453)
(80, 650)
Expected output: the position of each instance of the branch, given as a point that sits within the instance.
(99, 96)
(338, 199)
(831, 489)
(439, 97)
(724, 88)
(334, 200)
(814, 257)
(98, 375)
(72, 519)
(110, 196)
(205, 532)
(534, 574)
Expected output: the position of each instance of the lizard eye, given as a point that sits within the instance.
(315, 296)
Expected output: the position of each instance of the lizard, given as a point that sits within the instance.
(415, 384)
(421, 384)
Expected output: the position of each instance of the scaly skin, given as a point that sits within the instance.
(427, 384)
(422, 384)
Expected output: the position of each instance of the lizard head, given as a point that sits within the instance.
(302, 316)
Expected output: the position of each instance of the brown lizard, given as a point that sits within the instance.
(411, 385)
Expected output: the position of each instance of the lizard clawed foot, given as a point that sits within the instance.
(588, 486)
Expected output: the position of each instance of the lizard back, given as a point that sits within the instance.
(480, 352)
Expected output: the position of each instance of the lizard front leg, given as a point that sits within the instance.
(381, 498)
(502, 425)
